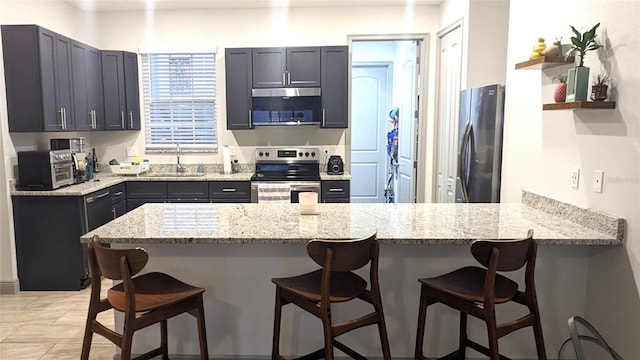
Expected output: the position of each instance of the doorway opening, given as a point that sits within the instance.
(386, 93)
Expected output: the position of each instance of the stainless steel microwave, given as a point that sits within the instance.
(44, 169)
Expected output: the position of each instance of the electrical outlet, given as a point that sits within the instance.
(598, 178)
(575, 177)
(132, 151)
(232, 150)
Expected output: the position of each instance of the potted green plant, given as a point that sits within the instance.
(599, 88)
(560, 93)
(578, 77)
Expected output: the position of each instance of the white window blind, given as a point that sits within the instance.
(180, 100)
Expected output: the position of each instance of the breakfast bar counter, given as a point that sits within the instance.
(233, 251)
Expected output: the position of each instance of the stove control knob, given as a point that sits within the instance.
(306, 154)
(313, 154)
(300, 154)
(266, 154)
(260, 153)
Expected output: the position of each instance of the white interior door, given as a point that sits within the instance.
(369, 104)
(408, 55)
(450, 67)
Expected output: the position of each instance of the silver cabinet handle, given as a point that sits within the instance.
(92, 118)
(122, 119)
(95, 120)
(324, 115)
(229, 190)
(61, 118)
(250, 119)
(113, 211)
(118, 193)
(336, 190)
(64, 112)
(131, 119)
(94, 198)
(288, 78)
(283, 78)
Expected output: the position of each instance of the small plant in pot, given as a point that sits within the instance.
(560, 93)
(578, 78)
(600, 88)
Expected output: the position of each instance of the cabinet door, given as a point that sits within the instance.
(84, 119)
(269, 66)
(188, 190)
(238, 73)
(132, 116)
(335, 87)
(119, 209)
(55, 100)
(113, 85)
(303, 67)
(63, 80)
(95, 99)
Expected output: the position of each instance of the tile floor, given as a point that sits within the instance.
(49, 325)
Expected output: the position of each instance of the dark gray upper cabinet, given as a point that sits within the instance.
(121, 90)
(238, 74)
(37, 66)
(335, 87)
(286, 67)
(88, 103)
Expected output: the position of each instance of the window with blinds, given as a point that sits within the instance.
(180, 101)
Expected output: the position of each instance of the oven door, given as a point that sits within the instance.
(295, 188)
(61, 174)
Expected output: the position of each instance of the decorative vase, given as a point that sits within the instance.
(577, 84)
(560, 94)
(599, 92)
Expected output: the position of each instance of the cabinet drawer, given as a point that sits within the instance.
(188, 190)
(230, 191)
(335, 189)
(147, 190)
(118, 193)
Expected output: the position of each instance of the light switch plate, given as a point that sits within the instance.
(598, 178)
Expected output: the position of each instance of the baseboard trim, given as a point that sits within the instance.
(10, 287)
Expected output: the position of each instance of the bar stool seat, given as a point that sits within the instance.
(476, 290)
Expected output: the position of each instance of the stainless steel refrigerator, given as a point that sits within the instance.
(480, 144)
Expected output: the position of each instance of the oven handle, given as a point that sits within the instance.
(303, 187)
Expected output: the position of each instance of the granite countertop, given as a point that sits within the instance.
(395, 223)
(104, 180)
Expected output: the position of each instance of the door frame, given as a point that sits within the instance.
(424, 178)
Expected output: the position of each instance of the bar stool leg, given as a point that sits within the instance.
(422, 318)
(202, 329)
(492, 336)
(328, 334)
(462, 346)
(275, 347)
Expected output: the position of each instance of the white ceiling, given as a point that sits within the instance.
(114, 5)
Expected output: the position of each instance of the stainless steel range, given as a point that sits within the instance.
(283, 173)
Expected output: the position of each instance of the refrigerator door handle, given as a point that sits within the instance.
(462, 160)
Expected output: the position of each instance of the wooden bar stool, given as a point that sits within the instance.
(334, 283)
(145, 300)
(475, 291)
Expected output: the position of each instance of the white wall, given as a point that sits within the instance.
(540, 148)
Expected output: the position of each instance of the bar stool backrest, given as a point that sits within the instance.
(347, 255)
(512, 254)
(109, 260)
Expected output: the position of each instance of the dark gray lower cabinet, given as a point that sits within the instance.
(141, 192)
(49, 254)
(336, 191)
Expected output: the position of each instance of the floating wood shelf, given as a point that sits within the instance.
(577, 105)
(546, 62)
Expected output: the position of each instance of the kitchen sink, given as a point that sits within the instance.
(176, 174)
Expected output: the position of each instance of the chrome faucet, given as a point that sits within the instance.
(179, 167)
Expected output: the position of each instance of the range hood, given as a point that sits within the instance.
(285, 92)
